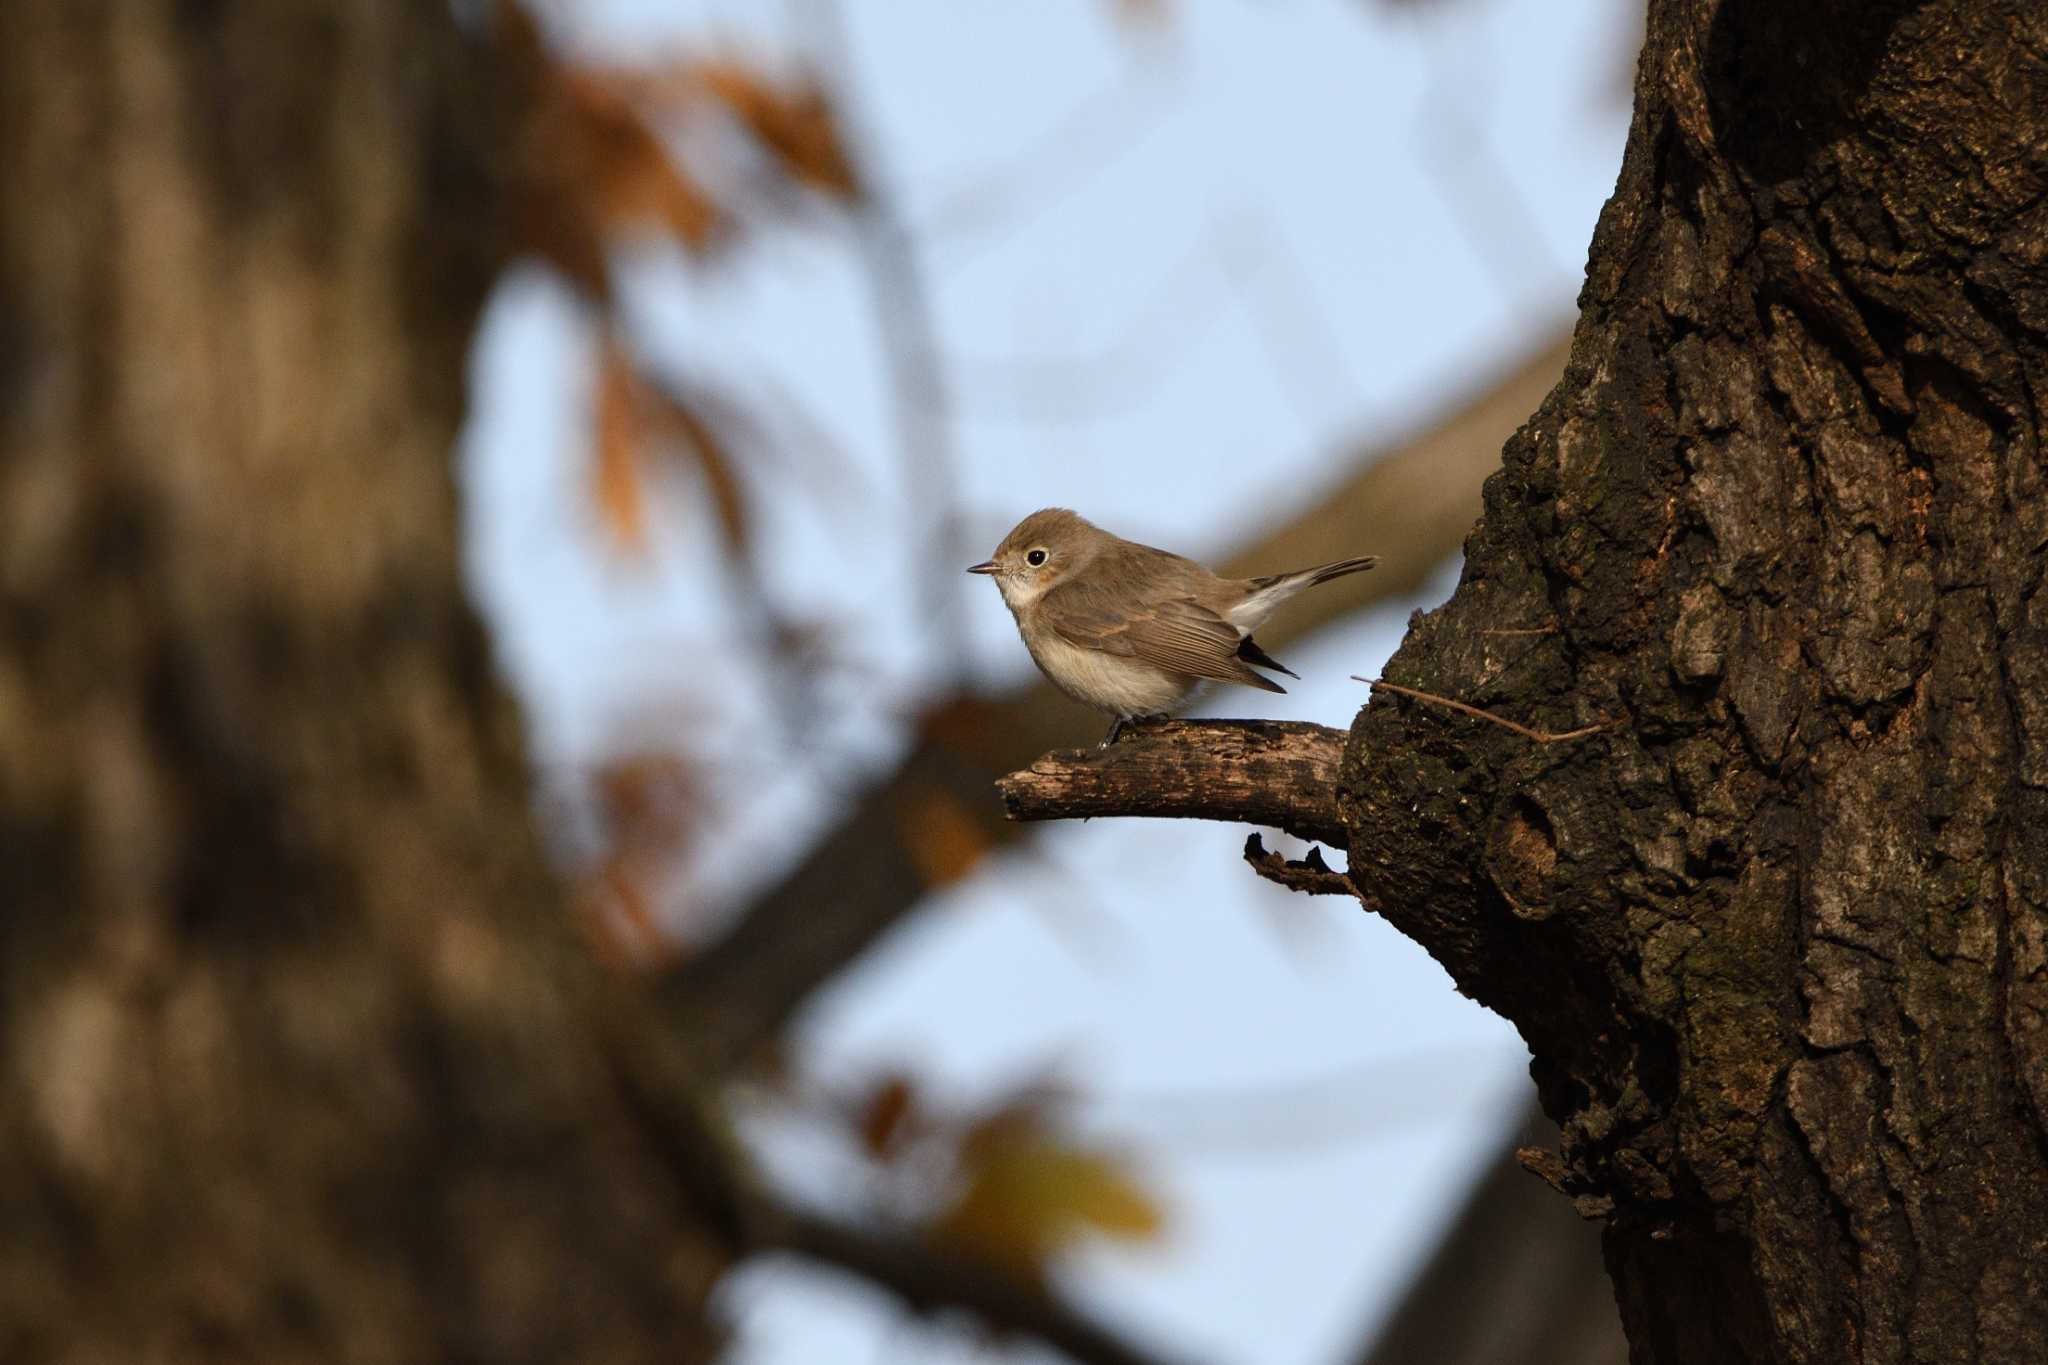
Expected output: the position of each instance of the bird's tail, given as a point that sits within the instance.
(1271, 590)
(1323, 573)
(1308, 578)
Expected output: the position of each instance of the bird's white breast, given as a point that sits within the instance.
(1115, 683)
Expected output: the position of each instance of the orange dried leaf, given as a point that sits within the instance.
(621, 450)
(943, 839)
(695, 434)
(626, 167)
(795, 124)
(594, 165)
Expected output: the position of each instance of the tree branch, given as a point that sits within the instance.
(1260, 772)
(721, 1189)
(927, 1280)
(859, 880)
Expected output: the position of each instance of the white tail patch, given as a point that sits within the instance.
(1249, 614)
(1252, 612)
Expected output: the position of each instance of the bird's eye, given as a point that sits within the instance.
(1035, 558)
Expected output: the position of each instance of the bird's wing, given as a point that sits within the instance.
(1177, 634)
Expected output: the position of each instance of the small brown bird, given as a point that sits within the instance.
(1132, 630)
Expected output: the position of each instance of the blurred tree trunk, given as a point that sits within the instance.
(1515, 1279)
(1778, 939)
(296, 1066)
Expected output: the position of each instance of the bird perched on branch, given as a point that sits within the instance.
(1132, 630)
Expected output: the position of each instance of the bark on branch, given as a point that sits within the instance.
(1278, 773)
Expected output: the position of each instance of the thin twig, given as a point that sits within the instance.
(1540, 736)
(919, 388)
(1455, 149)
(1067, 388)
(1009, 192)
(1301, 347)
(1550, 629)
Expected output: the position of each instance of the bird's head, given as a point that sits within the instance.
(1039, 552)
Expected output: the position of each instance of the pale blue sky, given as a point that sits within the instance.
(1281, 226)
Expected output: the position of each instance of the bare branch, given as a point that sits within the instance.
(920, 390)
(928, 1280)
(1260, 772)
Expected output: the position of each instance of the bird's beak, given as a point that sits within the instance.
(986, 566)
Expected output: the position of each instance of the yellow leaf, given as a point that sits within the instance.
(1029, 1195)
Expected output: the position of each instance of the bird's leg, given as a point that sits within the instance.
(1131, 722)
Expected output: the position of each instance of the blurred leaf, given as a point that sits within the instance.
(1030, 1195)
(591, 164)
(885, 1116)
(636, 417)
(648, 793)
(618, 916)
(621, 449)
(624, 165)
(943, 838)
(795, 123)
(648, 801)
(681, 421)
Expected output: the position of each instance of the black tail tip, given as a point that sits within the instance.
(1249, 651)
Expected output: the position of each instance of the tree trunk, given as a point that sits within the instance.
(296, 1063)
(1779, 941)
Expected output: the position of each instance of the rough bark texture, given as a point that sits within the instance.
(1780, 945)
(1263, 772)
(294, 1064)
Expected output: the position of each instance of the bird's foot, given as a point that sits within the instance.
(1122, 723)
